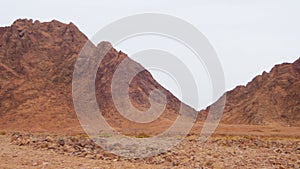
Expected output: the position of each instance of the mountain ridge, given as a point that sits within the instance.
(37, 62)
(268, 99)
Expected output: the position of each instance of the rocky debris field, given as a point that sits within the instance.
(217, 152)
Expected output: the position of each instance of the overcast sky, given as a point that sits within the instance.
(249, 36)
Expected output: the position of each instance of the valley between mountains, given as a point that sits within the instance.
(260, 126)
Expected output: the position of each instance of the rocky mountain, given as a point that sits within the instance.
(37, 63)
(269, 99)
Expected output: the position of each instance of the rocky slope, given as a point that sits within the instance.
(269, 99)
(37, 63)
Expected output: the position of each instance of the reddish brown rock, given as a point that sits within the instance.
(269, 99)
(37, 63)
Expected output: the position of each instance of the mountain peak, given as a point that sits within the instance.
(37, 62)
(22, 22)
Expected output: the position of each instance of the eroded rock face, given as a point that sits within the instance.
(269, 99)
(37, 63)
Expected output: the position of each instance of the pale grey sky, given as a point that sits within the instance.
(249, 36)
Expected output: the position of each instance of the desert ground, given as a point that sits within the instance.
(231, 146)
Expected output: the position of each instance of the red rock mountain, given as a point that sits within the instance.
(37, 63)
(269, 99)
